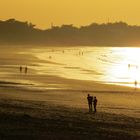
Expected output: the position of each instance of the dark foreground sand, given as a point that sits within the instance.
(23, 120)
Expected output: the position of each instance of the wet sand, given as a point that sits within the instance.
(72, 93)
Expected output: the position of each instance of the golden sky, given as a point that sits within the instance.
(77, 12)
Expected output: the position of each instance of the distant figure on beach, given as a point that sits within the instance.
(20, 69)
(90, 100)
(26, 70)
(129, 66)
(135, 84)
(95, 104)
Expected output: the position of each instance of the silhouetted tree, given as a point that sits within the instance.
(109, 34)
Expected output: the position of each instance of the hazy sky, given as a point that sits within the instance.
(77, 12)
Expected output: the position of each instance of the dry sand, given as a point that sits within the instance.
(31, 114)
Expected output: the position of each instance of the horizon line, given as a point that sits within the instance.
(29, 22)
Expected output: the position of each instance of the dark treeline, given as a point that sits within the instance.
(109, 34)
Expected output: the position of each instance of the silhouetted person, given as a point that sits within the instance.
(26, 70)
(135, 84)
(129, 66)
(95, 103)
(90, 100)
(20, 69)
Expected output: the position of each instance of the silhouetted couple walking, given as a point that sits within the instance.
(92, 102)
(25, 70)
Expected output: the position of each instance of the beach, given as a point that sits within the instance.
(52, 114)
(42, 104)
